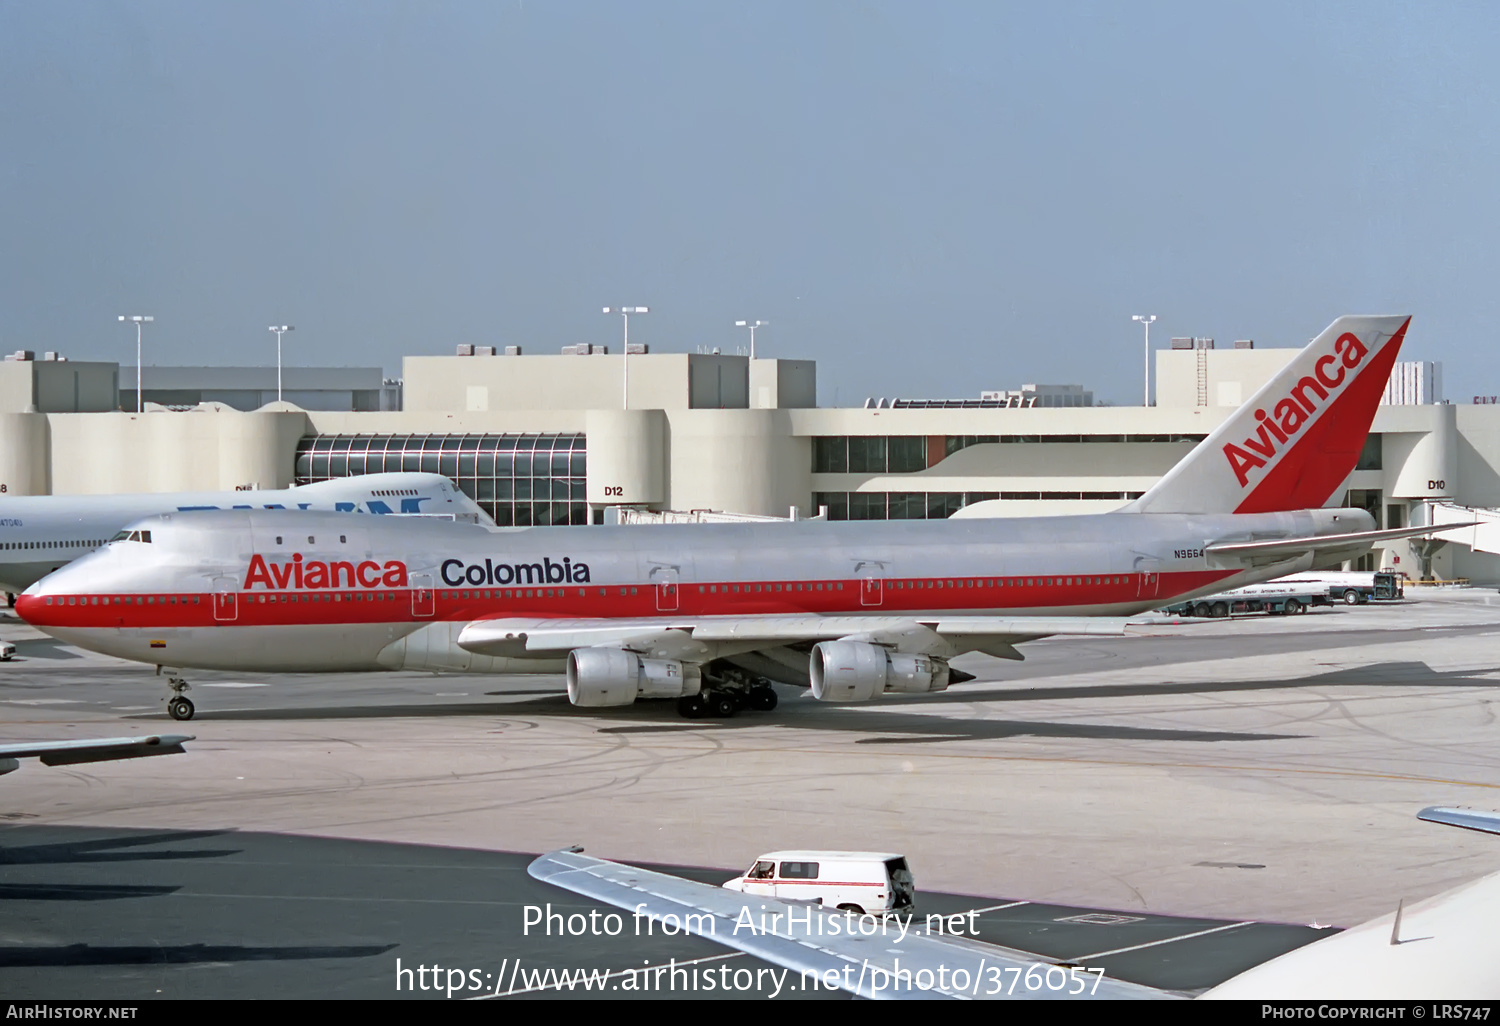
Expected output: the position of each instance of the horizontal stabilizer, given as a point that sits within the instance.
(1469, 819)
(1287, 547)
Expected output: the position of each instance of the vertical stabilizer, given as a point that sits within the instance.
(1298, 438)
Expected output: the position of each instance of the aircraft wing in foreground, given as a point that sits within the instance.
(1469, 819)
(1442, 948)
(70, 753)
(892, 960)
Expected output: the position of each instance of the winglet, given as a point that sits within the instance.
(1299, 437)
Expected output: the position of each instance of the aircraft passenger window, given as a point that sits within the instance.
(310, 540)
(632, 591)
(342, 539)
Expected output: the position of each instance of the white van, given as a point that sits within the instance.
(856, 881)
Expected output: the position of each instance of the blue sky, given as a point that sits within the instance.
(929, 199)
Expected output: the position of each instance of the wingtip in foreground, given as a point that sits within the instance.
(109, 749)
(1468, 819)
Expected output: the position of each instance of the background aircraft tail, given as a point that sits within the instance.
(1298, 438)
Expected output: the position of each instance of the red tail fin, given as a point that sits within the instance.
(1297, 439)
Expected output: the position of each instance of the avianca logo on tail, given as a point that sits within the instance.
(1293, 413)
(317, 574)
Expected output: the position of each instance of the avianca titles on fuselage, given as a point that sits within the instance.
(283, 590)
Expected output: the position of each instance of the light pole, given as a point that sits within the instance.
(1146, 320)
(139, 320)
(279, 332)
(752, 325)
(625, 312)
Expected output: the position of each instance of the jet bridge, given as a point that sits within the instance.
(1481, 530)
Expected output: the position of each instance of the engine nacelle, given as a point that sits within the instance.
(915, 674)
(855, 671)
(599, 677)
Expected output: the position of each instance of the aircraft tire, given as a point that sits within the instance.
(692, 707)
(722, 705)
(762, 699)
(180, 708)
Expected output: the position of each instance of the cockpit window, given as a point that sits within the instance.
(135, 536)
(121, 536)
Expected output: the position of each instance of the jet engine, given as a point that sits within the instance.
(855, 671)
(600, 677)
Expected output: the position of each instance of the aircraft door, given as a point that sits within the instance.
(423, 604)
(871, 583)
(665, 579)
(1150, 581)
(226, 601)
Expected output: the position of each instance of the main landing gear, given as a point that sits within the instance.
(726, 692)
(179, 707)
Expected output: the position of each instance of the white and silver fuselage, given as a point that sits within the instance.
(300, 591)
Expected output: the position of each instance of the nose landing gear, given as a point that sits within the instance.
(179, 707)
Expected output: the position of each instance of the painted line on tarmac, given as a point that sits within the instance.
(1152, 944)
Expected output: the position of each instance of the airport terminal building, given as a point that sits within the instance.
(544, 439)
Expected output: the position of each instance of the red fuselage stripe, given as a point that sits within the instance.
(405, 605)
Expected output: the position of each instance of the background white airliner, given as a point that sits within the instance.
(711, 614)
(41, 533)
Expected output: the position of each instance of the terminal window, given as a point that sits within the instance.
(519, 480)
(934, 505)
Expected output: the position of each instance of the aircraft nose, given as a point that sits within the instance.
(30, 606)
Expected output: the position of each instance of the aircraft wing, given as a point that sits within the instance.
(681, 636)
(69, 753)
(1277, 549)
(1469, 819)
(815, 943)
